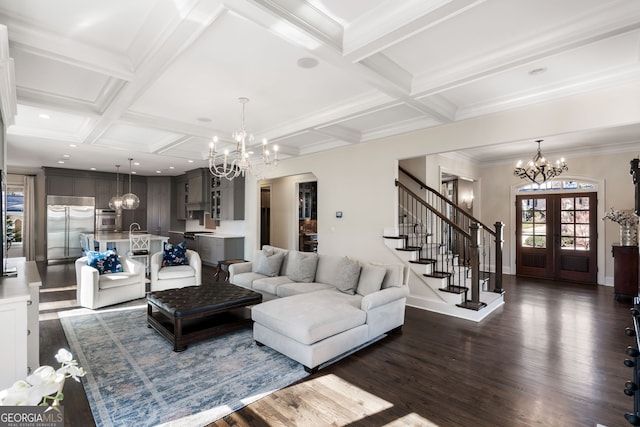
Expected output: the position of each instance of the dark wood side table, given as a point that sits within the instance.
(625, 271)
(222, 274)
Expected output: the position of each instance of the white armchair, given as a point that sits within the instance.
(96, 290)
(177, 276)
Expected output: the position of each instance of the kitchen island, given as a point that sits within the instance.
(120, 241)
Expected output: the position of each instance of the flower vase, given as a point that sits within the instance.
(628, 235)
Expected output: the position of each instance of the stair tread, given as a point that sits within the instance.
(438, 274)
(423, 261)
(455, 289)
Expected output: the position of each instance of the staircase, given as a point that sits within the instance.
(455, 260)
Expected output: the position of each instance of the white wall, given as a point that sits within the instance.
(359, 179)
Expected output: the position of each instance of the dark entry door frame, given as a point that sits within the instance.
(602, 251)
(557, 236)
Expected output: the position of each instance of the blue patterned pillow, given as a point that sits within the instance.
(175, 254)
(104, 262)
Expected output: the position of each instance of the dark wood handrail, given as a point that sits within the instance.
(434, 210)
(444, 199)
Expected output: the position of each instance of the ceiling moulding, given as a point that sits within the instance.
(359, 105)
(189, 29)
(580, 33)
(164, 20)
(405, 126)
(140, 119)
(576, 86)
(8, 102)
(49, 101)
(69, 51)
(305, 16)
(393, 22)
(342, 133)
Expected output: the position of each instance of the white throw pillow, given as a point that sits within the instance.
(301, 266)
(269, 263)
(371, 278)
(347, 276)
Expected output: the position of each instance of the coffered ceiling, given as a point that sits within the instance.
(98, 82)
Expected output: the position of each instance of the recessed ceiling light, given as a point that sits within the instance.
(172, 167)
(134, 172)
(66, 156)
(204, 119)
(538, 71)
(307, 62)
(44, 116)
(136, 163)
(92, 169)
(189, 161)
(72, 145)
(158, 172)
(61, 161)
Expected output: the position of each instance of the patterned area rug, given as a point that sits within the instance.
(134, 377)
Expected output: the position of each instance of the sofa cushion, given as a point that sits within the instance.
(175, 254)
(327, 267)
(347, 276)
(104, 262)
(297, 288)
(113, 280)
(246, 279)
(270, 284)
(309, 318)
(301, 266)
(394, 275)
(370, 280)
(176, 272)
(269, 263)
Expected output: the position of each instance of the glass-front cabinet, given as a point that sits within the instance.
(215, 198)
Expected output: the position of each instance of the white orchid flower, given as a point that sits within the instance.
(21, 393)
(46, 380)
(64, 356)
(44, 384)
(73, 371)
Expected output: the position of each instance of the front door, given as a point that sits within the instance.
(557, 236)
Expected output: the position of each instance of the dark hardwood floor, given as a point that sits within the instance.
(552, 356)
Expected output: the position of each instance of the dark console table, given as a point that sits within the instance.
(625, 271)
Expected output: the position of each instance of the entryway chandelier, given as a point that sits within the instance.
(231, 165)
(539, 169)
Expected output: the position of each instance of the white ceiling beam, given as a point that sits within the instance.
(53, 46)
(342, 133)
(8, 99)
(305, 16)
(395, 21)
(188, 28)
(584, 31)
(379, 71)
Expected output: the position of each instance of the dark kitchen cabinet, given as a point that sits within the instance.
(625, 270)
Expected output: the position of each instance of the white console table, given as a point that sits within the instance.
(19, 317)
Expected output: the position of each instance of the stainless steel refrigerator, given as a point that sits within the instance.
(67, 217)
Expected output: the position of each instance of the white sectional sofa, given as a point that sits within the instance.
(318, 307)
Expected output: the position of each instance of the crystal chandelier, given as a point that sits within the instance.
(130, 201)
(539, 169)
(231, 165)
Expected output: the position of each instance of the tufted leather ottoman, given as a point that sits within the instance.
(194, 313)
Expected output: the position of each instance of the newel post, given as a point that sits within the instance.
(474, 228)
(499, 226)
